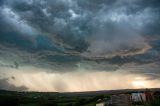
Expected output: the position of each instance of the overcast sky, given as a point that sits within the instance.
(79, 45)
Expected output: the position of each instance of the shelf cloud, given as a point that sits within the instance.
(66, 36)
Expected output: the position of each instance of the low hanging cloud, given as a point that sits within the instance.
(5, 85)
(83, 81)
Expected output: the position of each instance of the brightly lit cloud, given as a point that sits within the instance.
(81, 80)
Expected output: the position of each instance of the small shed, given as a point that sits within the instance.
(138, 97)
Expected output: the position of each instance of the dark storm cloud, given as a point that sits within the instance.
(50, 34)
(151, 70)
(5, 85)
(14, 65)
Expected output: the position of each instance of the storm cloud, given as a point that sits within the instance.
(64, 36)
(5, 85)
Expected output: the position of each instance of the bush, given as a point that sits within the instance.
(9, 101)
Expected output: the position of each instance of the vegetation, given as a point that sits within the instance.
(59, 99)
(47, 99)
(155, 101)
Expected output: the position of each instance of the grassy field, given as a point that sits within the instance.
(8, 98)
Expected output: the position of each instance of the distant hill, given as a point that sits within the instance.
(92, 93)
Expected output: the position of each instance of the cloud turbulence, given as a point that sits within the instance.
(60, 39)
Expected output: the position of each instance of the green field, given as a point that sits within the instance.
(8, 98)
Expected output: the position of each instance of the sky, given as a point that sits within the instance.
(79, 45)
